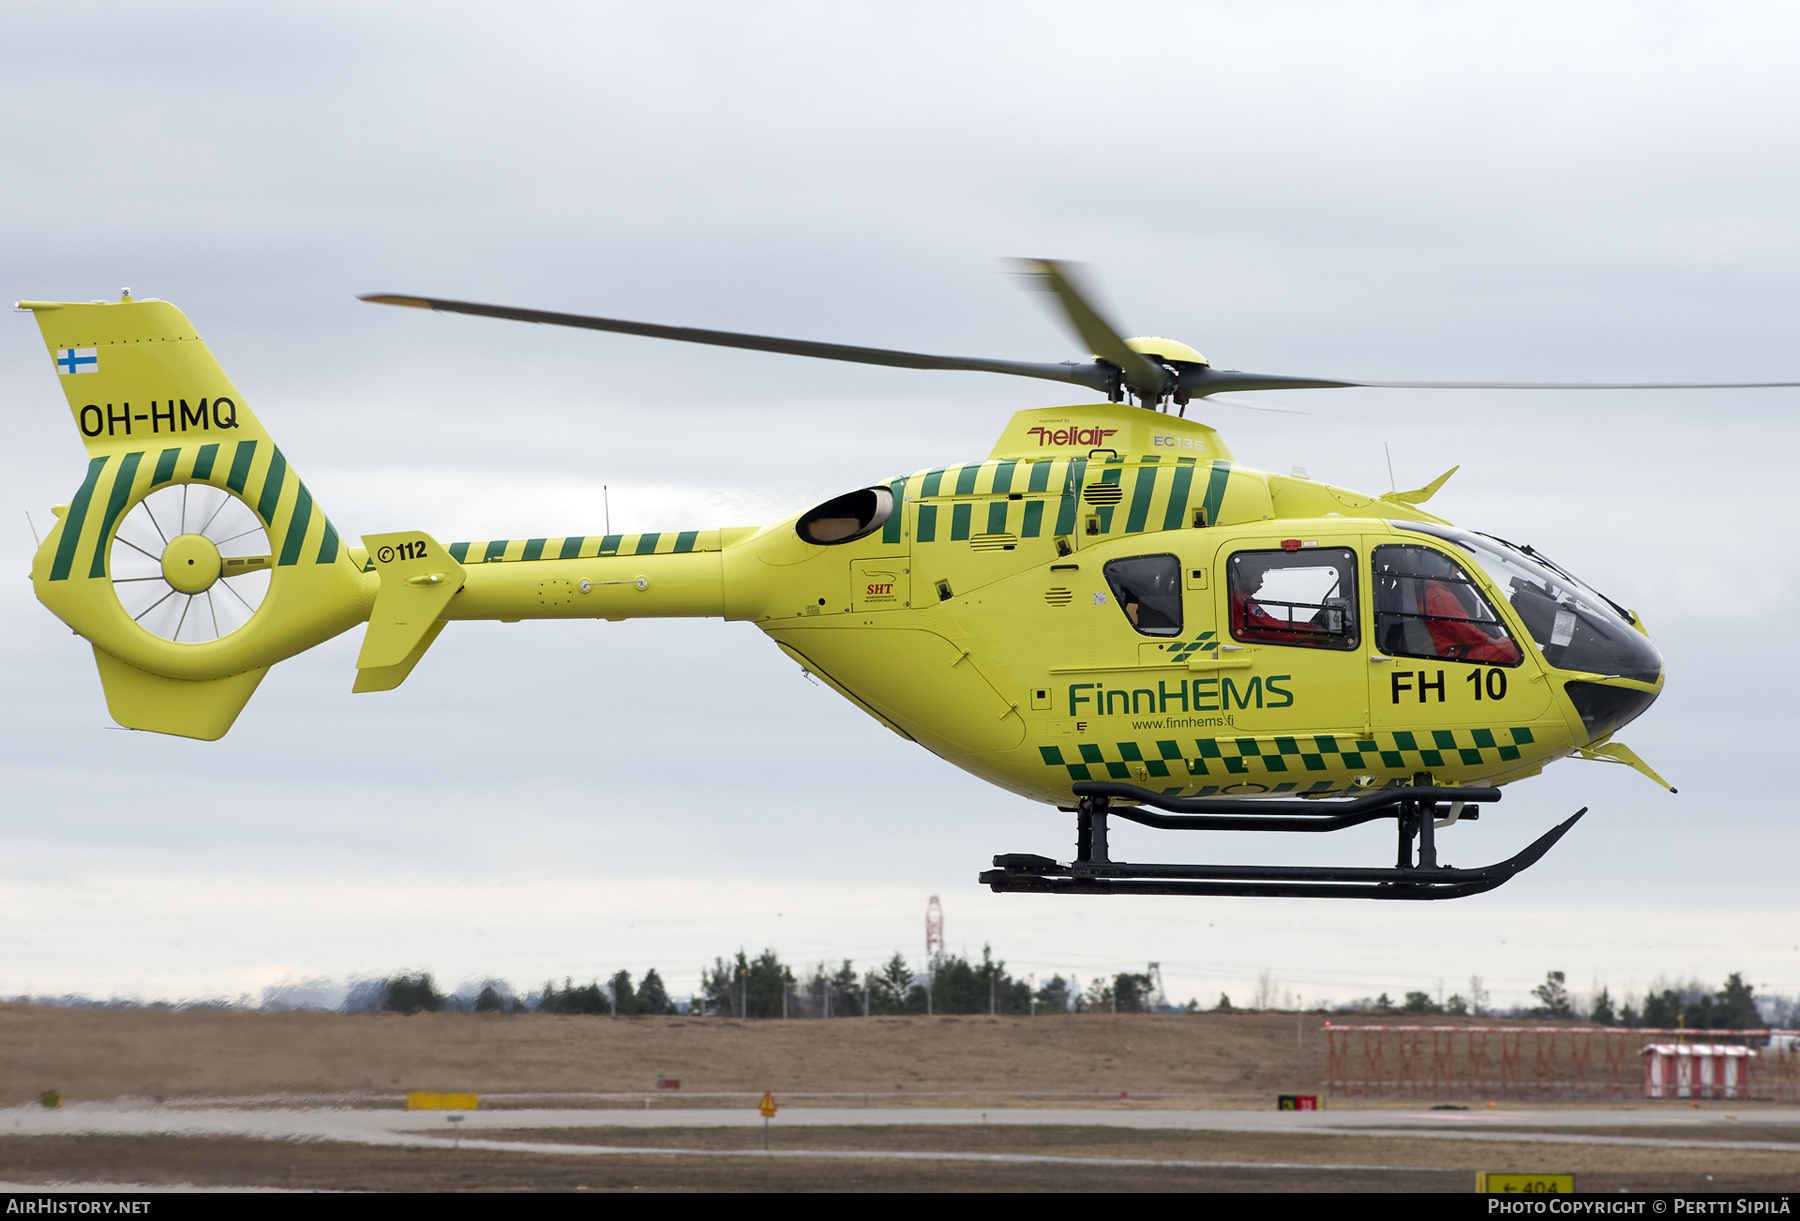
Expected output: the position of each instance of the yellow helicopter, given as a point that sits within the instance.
(1107, 614)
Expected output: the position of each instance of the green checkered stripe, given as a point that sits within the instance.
(1224, 757)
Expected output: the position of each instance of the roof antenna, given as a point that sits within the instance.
(1392, 486)
(607, 501)
(33, 525)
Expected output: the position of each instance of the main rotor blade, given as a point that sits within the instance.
(1090, 375)
(1144, 376)
(1570, 385)
(1205, 380)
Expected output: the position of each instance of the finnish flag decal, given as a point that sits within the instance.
(77, 360)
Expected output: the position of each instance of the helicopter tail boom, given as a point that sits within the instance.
(627, 584)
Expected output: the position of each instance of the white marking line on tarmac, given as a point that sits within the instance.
(1563, 1138)
(508, 1146)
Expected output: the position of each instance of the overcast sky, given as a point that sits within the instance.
(1400, 191)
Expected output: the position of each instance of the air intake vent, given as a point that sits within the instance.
(1103, 493)
(993, 542)
(1058, 596)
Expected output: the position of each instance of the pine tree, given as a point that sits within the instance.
(1603, 1014)
(1735, 1007)
(652, 995)
(1553, 997)
(624, 996)
(891, 986)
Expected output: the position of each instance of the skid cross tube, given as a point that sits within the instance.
(1238, 814)
(1415, 810)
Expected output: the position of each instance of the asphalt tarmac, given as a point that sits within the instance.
(304, 1144)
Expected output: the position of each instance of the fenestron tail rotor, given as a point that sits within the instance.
(190, 563)
(1156, 372)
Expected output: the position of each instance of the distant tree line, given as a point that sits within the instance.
(765, 987)
(619, 998)
(419, 994)
(1732, 1007)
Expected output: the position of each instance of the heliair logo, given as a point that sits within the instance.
(1090, 437)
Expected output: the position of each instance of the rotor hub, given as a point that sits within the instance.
(191, 563)
(1168, 351)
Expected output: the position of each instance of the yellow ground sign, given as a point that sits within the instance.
(419, 1100)
(1509, 1183)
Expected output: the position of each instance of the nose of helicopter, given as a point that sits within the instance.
(1626, 667)
(1606, 708)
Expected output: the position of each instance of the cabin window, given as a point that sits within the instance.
(1426, 605)
(844, 519)
(1305, 597)
(1148, 590)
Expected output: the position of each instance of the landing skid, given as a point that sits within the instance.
(1416, 810)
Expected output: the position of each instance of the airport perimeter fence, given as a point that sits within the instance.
(1541, 1062)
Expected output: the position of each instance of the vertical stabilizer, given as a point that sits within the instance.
(191, 554)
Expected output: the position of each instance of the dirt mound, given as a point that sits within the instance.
(1207, 1059)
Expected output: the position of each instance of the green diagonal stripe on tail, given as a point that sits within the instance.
(71, 535)
(115, 504)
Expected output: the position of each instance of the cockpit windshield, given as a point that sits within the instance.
(1575, 627)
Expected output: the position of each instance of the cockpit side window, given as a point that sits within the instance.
(1305, 598)
(1148, 589)
(1427, 606)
